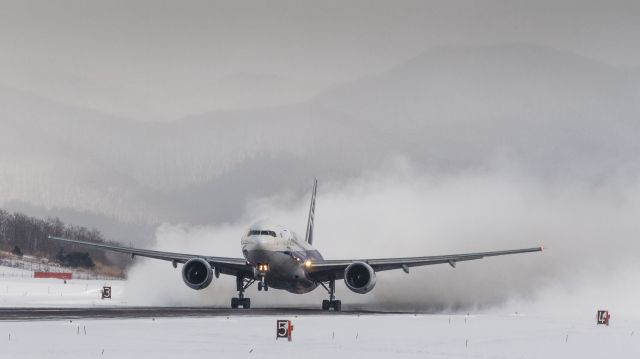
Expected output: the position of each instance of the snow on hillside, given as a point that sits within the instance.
(18, 288)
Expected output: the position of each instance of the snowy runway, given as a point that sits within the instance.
(222, 333)
(322, 336)
(120, 312)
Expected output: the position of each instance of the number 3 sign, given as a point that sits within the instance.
(106, 292)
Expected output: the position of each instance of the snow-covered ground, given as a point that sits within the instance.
(370, 336)
(498, 333)
(18, 288)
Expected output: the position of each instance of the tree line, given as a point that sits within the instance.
(25, 235)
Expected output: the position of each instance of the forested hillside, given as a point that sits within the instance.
(24, 235)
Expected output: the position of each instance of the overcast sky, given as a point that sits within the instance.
(162, 60)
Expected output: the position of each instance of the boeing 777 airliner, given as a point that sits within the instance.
(275, 257)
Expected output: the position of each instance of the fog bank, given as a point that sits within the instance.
(587, 231)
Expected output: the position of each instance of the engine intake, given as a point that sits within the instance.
(360, 277)
(197, 273)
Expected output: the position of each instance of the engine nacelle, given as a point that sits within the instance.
(360, 277)
(197, 273)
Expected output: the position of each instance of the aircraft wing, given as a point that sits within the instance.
(334, 269)
(225, 265)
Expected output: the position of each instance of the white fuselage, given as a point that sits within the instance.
(283, 253)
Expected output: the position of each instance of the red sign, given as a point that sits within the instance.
(284, 329)
(56, 275)
(603, 317)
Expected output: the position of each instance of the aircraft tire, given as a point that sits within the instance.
(337, 305)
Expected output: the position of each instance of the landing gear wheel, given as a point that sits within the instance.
(260, 286)
(241, 285)
(246, 303)
(337, 305)
(240, 302)
(325, 305)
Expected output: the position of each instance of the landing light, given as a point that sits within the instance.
(307, 263)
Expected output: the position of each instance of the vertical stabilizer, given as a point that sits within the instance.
(312, 210)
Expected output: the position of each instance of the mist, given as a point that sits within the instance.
(587, 232)
(433, 128)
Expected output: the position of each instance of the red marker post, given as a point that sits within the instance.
(602, 317)
(284, 329)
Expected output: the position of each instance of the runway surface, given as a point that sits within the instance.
(150, 312)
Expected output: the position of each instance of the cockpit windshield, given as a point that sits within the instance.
(263, 233)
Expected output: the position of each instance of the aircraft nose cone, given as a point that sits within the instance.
(257, 243)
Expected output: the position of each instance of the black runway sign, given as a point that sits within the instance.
(283, 329)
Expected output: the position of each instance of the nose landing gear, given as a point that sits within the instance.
(262, 269)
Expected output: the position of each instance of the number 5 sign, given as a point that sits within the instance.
(284, 329)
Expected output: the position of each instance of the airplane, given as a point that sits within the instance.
(275, 257)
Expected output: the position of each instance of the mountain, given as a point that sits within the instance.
(556, 114)
(555, 111)
(196, 170)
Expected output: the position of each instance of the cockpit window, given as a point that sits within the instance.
(264, 233)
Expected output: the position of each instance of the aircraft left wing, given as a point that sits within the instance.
(225, 265)
(325, 270)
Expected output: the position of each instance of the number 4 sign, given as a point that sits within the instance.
(284, 329)
(603, 317)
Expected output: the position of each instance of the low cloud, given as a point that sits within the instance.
(588, 232)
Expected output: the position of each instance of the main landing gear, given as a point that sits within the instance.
(332, 303)
(241, 285)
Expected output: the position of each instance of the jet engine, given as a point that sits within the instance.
(360, 277)
(197, 273)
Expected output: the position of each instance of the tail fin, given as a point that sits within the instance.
(312, 210)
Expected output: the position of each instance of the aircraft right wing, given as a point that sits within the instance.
(224, 265)
(325, 270)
